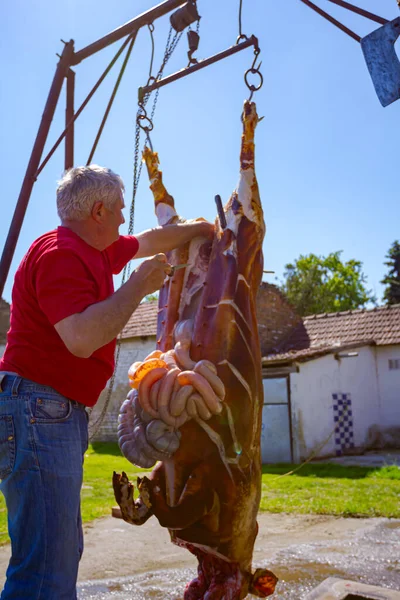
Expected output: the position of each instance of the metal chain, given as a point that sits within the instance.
(254, 70)
(168, 53)
(137, 171)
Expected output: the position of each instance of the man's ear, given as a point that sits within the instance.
(98, 211)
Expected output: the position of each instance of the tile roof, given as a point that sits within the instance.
(311, 353)
(4, 320)
(320, 334)
(143, 322)
(313, 337)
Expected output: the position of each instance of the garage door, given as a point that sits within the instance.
(275, 430)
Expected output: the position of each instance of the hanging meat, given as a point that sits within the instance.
(195, 407)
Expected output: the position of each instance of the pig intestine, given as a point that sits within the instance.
(169, 387)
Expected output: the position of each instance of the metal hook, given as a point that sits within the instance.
(256, 54)
(148, 125)
(254, 70)
(143, 120)
(193, 41)
(243, 37)
(151, 80)
(148, 139)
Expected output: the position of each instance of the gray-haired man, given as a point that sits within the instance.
(65, 317)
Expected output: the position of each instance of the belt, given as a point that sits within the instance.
(6, 374)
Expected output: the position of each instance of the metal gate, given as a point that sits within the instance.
(276, 444)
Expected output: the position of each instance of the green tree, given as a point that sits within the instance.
(392, 278)
(150, 297)
(318, 284)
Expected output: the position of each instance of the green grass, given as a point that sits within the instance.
(97, 492)
(330, 489)
(326, 489)
(101, 460)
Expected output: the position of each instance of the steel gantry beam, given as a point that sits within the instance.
(68, 59)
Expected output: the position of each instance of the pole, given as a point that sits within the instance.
(80, 109)
(134, 25)
(334, 21)
(360, 11)
(111, 101)
(69, 115)
(252, 41)
(29, 180)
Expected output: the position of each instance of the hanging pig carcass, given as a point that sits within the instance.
(196, 407)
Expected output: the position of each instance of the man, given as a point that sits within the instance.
(65, 317)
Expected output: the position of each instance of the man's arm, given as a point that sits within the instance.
(168, 237)
(84, 333)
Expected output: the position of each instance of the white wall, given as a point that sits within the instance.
(389, 392)
(132, 350)
(312, 403)
(2, 348)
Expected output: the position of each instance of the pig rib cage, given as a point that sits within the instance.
(145, 122)
(185, 14)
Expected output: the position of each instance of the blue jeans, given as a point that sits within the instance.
(43, 439)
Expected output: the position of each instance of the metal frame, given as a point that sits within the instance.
(69, 116)
(63, 72)
(348, 6)
(251, 41)
(70, 58)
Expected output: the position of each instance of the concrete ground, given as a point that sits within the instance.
(121, 561)
(377, 458)
(124, 562)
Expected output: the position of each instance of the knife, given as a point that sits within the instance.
(176, 268)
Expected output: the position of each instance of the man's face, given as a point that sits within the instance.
(113, 220)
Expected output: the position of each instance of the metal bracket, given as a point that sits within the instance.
(184, 16)
(378, 48)
(252, 41)
(382, 61)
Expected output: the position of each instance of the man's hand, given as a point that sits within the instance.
(83, 333)
(151, 273)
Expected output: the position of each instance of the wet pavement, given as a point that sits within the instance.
(370, 555)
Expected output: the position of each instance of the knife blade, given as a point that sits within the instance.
(176, 268)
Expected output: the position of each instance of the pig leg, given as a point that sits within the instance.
(139, 511)
(197, 500)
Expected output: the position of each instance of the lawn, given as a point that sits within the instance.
(326, 489)
(330, 489)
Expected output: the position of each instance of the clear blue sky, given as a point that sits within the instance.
(327, 152)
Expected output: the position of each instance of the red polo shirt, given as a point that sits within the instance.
(61, 275)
